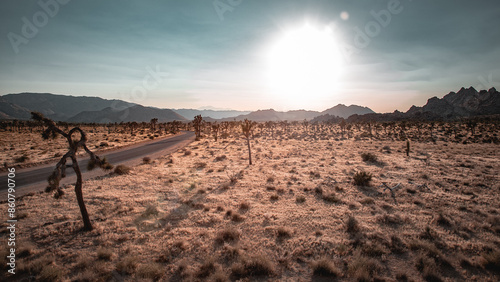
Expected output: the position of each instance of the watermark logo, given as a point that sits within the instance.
(138, 93)
(221, 7)
(486, 83)
(11, 222)
(364, 36)
(31, 27)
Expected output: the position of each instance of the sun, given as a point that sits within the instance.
(304, 64)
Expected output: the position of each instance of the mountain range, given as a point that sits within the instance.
(466, 102)
(97, 110)
(299, 115)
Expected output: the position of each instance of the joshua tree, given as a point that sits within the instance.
(198, 120)
(407, 147)
(343, 126)
(246, 127)
(60, 171)
(133, 125)
(153, 123)
(215, 130)
(471, 125)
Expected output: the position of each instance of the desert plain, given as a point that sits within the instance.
(315, 205)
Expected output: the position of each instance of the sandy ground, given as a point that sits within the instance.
(203, 213)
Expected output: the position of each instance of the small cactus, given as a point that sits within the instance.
(407, 147)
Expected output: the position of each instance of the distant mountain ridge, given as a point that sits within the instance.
(344, 111)
(135, 113)
(272, 115)
(214, 114)
(97, 110)
(60, 107)
(12, 111)
(465, 103)
(299, 115)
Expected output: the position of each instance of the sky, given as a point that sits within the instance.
(251, 54)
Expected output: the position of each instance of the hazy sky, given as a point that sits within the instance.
(389, 54)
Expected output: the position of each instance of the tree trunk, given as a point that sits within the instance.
(249, 152)
(79, 196)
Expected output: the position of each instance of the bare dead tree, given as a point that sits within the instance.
(59, 172)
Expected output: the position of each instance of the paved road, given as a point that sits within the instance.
(37, 176)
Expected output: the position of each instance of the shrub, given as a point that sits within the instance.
(283, 232)
(390, 220)
(229, 234)
(367, 201)
(152, 271)
(427, 267)
(236, 217)
(352, 225)
(491, 260)
(300, 199)
(200, 165)
(146, 160)
(362, 267)
(270, 188)
(104, 254)
(219, 276)
(127, 265)
(373, 249)
(362, 178)
(220, 158)
(318, 190)
(36, 266)
(150, 210)
(330, 198)
(369, 157)
(253, 266)
(122, 169)
(397, 246)
(51, 273)
(245, 205)
(443, 221)
(325, 267)
(206, 268)
(25, 250)
(21, 159)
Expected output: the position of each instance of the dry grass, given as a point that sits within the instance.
(122, 169)
(315, 222)
(325, 267)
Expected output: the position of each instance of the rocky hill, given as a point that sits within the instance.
(344, 111)
(465, 103)
(136, 113)
(12, 111)
(214, 114)
(300, 115)
(59, 107)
